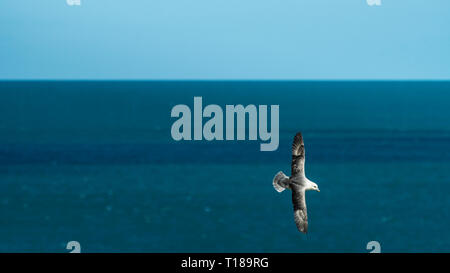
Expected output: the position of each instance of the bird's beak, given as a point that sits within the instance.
(318, 190)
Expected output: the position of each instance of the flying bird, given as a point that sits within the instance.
(297, 183)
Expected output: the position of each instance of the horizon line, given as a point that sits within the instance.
(222, 80)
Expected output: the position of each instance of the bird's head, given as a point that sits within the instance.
(313, 186)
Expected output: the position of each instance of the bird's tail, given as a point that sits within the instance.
(280, 182)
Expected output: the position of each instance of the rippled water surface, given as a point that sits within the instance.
(95, 162)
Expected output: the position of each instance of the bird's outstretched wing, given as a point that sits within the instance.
(298, 156)
(300, 214)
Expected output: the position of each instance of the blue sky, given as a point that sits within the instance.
(224, 39)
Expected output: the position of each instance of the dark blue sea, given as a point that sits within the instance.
(94, 162)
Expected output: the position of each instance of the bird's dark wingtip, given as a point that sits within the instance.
(298, 138)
